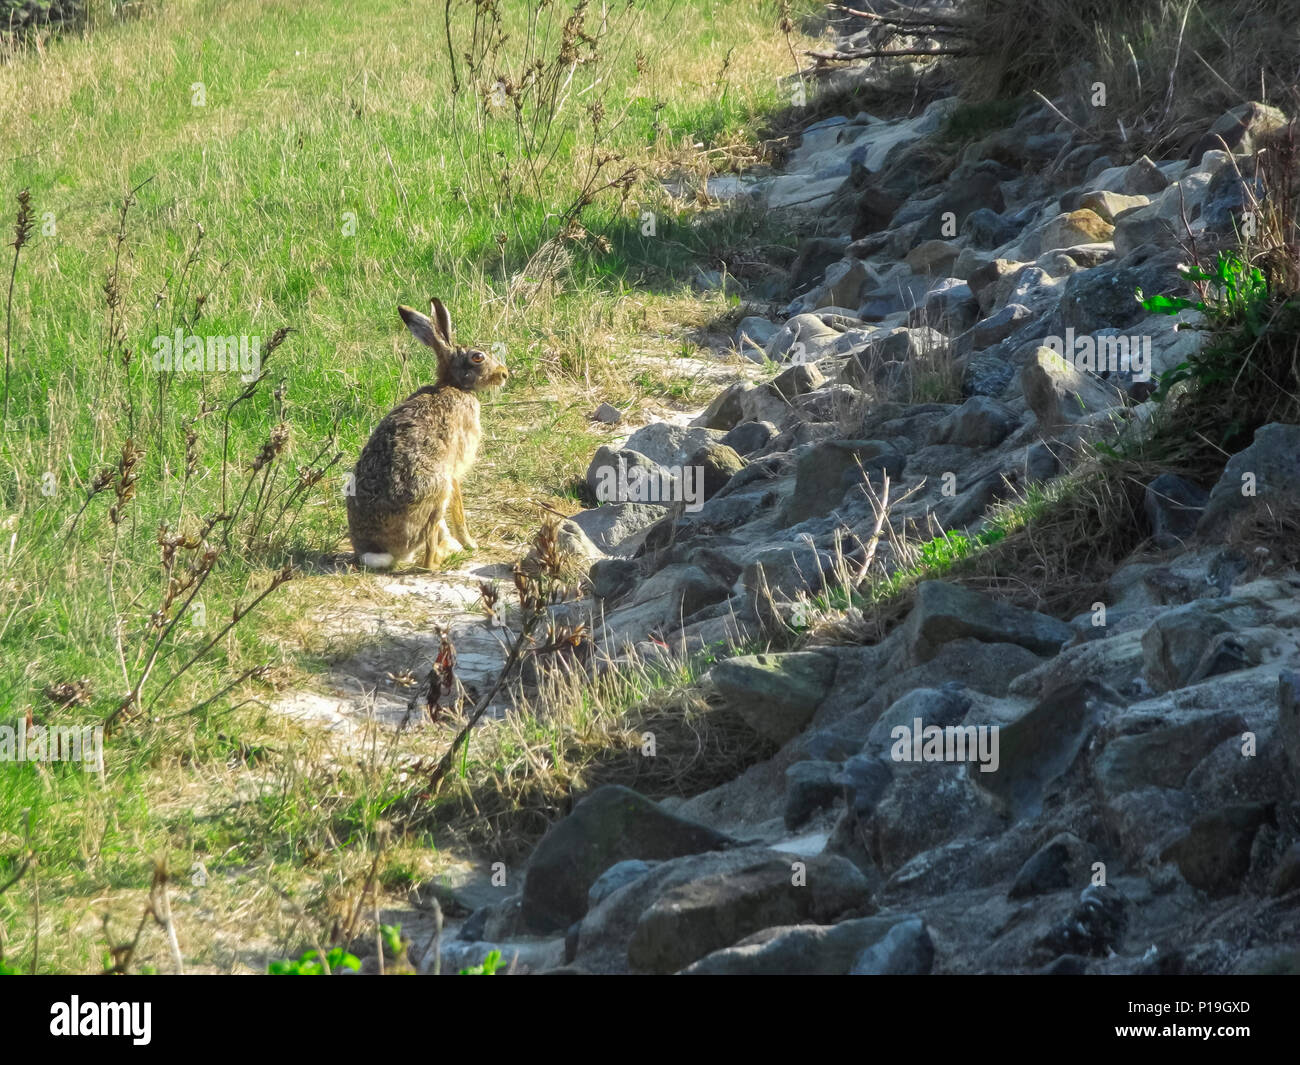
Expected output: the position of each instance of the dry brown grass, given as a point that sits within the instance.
(584, 726)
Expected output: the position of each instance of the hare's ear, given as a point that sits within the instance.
(425, 331)
(441, 318)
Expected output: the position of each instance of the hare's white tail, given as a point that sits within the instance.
(376, 560)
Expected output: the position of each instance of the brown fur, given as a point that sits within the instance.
(406, 495)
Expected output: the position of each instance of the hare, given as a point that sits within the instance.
(406, 496)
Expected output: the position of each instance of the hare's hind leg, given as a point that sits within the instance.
(437, 543)
(456, 518)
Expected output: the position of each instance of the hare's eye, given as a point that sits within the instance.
(476, 356)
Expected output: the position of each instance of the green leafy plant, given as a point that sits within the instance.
(1235, 296)
(1233, 289)
(391, 934)
(488, 966)
(310, 963)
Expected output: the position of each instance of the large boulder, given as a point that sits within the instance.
(905, 950)
(693, 919)
(1239, 131)
(610, 825)
(1040, 747)
(776, 694)
(1214, 853)
(1066, 230)
(827, 471)
(714, 465)
(1265, 473)
(1059, 394)
(1163, 757)
(798, 950)
(842, 286)
(979, 422)
(945, 612)
(1176, 643)
(612, 526)
(670, 445)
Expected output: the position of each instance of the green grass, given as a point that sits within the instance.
(329, 174)
(933, 559)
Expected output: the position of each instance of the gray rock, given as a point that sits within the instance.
(1040, 747)
(1147, 227)
(798, 950)
(749, 437)
(615, 877)
(1288, 715)
(782, 571)
(1055, 866)
(1175, 643)
(776, 694)
(1110, 205)
(932, 257)
(1058, 394)
(1163, 757)
(1228, 197)
(1103, 297)
(1239, 130)
(1041, 463)
(865, 779)
(614, 467)
(1094, 928)
(979, 422)
(806, 329)
(762, 403)
(934, 706)
(996, 327)
(1066, 230)
(610, 825)
(677, 591)
(1214, 854)
(613, 577)
(989, 229)
(1270, 467)
(810, 786)
(1173, 506)
(612, 526)
(1032, 287)
(1144, 178)
(753, 335)
(905, 950)
(798, 380)
(1286, 874)
(607, 414)
(727, 409)
(899, 345)
(950, 307)
(814, 256)
(983, 280)
(669, 445)
(946, 612)
(958, 199)
(716, 464)
(829, 470)
(710, 913)
(573, 541)
(986, 374)
(842, 286)
(928, 805)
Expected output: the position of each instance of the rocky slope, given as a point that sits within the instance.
(987, 788)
